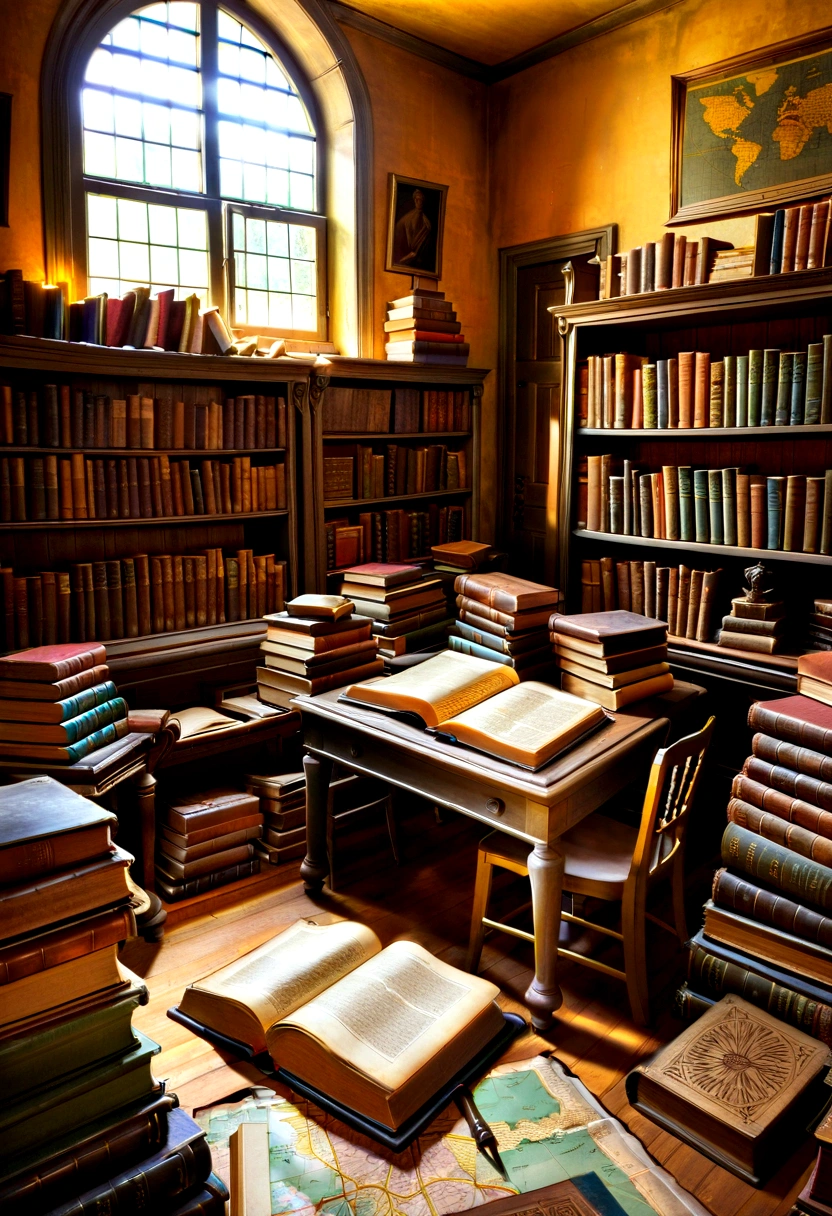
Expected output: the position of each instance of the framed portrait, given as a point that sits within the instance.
(753, 132)
(416, 225)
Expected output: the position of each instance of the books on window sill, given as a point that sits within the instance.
(207, 840)
(792, 514)
(504, 619)
(612, 657)
(693, 389)
(357, 471)
(347, 408)
(131, 597)
(422, 328)
(36, 489)
(62, 416)
(393, 535)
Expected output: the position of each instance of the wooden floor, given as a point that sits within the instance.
(428, 899)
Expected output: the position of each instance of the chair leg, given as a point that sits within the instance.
(392, 829)
(633, 927)
(482, 892)
(330, 841)
(678, 883)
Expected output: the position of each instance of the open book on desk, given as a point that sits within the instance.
(483, 705)
(379, 1031)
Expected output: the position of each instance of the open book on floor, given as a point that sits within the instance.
(484, 705)
(379, 1031)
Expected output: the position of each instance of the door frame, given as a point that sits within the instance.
(601, 242)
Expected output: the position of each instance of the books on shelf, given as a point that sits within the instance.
(392, 535)
(684, 598)
(402, 410)
(424, 330)
(357, 471)
(694, 389)
(601, 656)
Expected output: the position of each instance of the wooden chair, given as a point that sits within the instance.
(351, 795)
(611, 861)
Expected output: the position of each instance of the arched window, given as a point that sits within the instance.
(201, 170)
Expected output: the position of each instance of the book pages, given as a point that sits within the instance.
(390, 1017)
(438, 688)
(528, 718)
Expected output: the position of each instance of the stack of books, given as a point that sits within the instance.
(84, 1123)
(282, 801)
(681, 596)
(318, 643)
(422, 328)
(407, 605)
(767, 932)
(207, 840)
(611, 658)
(749, 626)
(820, 626)
(814, 677)
(504, 619)
(57, 704)
(816, 1197)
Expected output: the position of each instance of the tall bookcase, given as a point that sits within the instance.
(177, 666)
(320, 438)
(786, 311)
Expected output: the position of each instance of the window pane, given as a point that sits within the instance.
(271, 287)
(101, 216)
(148, 90)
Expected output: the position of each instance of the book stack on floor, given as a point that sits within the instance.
(611, 658)
(753, 626)
(407, 605)
(282, 800)
(318, 643)
(816, 1197)
(57, 704)
(504, 619)
(84, 1125)
(422, 328)
(207, 840)
(767, 931)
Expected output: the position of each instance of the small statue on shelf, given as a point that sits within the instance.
(755, 622)
(755, 576)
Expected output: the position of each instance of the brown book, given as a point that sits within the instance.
(193, 813)
(790, 756)
(187, 486)
(616, 698)
(818, 235)
(804, 229)
(165, 486)
(795, 512)
(133, 487)
(102, 601)
(788, 833)
(18, 488)
(147, 417)
(114, 596)
(129, 597)
(123, 490)
(636, 588)
(208, 487)
(694, 602)
(678, 272)
(250, 421)
(245, 484)
(687, 380)
(736, 893)
(34, 608)
(118, 424)
(45, 950)
(200, 567)
(134, 422)
(188, 577)
(505, 592)
(49, 602)
(704, 624)
(609, 632)
(767, 943)
(672, 1091)
(797, 719)
(701, 389)
(759, 513)
(748, 641)
(811, 809)
(64, 606)
(143, 599)
(228, 422)
(145, 491)
(791, 223)
(179, 616)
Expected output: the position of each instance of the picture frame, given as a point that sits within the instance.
(416, 225)
(745, 132)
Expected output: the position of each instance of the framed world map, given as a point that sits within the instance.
(754, 131)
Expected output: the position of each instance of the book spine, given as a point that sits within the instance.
(776, 260)
(687, 361)
(616, 505)
(803, 734)
(794, 517)
(729, 506)
(782, 408)
(646, 505)
(814, 383)
(795, 784)
(777, 866)
(755, 387)
(742, 391)
(701, 505)
(774, 512)
(729, 391)
(798, 394)
(715, 514)
(716, 405)
(649, 388)
(791, 756)
(758, 492)
(771, 381)
(743, 492)
(768, 908)
(701, 389)
(662, 396)
(670, 481)
(704, 623)
(694, 603)
(789, 834)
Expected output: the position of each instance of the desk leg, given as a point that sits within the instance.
(146, 794)
(544, 996)
(315, 865)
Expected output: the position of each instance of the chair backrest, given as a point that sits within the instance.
(674, 777)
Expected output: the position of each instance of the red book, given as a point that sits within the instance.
(795, 720)
(115, 307)
(125, 318)
(176, 319)
(382, 574)
(45, 664)
(165, 299)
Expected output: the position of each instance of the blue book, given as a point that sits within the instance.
(774, 505)
(661, 392)
(798, 402)
(700, 505)
(686, 512)
(777, 241)
(715, 506)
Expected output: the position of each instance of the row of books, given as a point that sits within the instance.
(422, 328)
(767, 932)
(791, 238)
(391, 536)
(134, 596)
(709, 506)
(398, 470)
(206, 840)
(682, 597)
(85, 1126)
(34, 488)
(693, 390)
(347, 408)
(60, 416)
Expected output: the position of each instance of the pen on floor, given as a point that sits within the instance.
(484, 1137)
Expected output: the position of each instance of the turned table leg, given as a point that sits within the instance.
(146, 794)
(315, 865)
(543, 995)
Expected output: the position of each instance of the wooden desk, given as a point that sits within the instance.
(536, 807)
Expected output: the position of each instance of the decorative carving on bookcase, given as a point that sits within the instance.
(568, 272)
(476, 391)
(317, 386)
(564, 327)
(299, 395)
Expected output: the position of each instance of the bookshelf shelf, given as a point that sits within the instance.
(387, 436)
(774, 555)
(427, 496)
(41, 524)
(805, 431)
(176, 453)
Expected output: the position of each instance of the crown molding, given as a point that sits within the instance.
(408, 42)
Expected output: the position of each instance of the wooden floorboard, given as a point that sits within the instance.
(428, 899)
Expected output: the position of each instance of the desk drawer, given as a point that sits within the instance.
(418, 773)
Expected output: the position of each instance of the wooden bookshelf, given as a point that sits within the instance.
(180, 666)
(786, 311)
(320, 438)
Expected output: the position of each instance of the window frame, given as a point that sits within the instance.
(217, 210)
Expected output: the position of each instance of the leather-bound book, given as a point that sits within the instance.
(76, 420)
(670, 477)
(190, 592)
(134, 421)
(184, 468)
(143, 598)
(791, 756)
(767, 943)
(505, 592)
(164, 424)
(748, 641)
(207, 480)
(775, 788)
(49, 605)
(123, 478)
(743, 509)
(157, 595)
(694, 604)
(758, 491)
(245, 480)
(100, 487)
(270, 478)
(634, 271)
(650, 589)
(738, 894)
(802, 240)
(64, 606)
(794, 522)
(173, 891)
(175, 475)
(777, 866)
(211, 586)
(166, 564)
(699, 1103)
(18, 488)
(775, 492)
(239, 424)
(716, 395)
(622, 574)
(6, 491)
(782, 405)
(650, 401)
(609, 632)
(816, 254)
(812, 519)
(156, 487)
(715, 513)
(21, 609)
(21, 421)
(118, 423)
(33, 419)
(250, 416)
(282, 423)
(111, 490)
(102, 601)
(662, 590)
(664, 261)
(237, 485)
(200, 427)
(51, 417)
(798, 395)
(701, 388)
(200, 567)
(786, 832)
(34, 609)
(144, 488)
(116, 607)
(271, 423)
(101, 429)
(221, 616)
(196, 493)
(770, 387)
(165, 486)
(242, 583)
(225, 488)
(228, 420)
(755, 387)
(232, 589)
(178, 592)
(679, 251)
(148, 422)
(133, 495)
(130, 598)
(260, 421)
(742, 390)
(82, 629)
(728, 492)
(37, 489)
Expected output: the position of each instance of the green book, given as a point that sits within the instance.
(771, 375)
(99, 738)
(89, 1094)
(464, 646)
(670, 480)
(62, 711)
(814, 382)
(773, 863)
(798, 400)
(717, 405)
(715, 506)
(729, 506)
(77, 729)
(729, 391)
(64, 1045)
(686, 519)
(700, 505)
(775, 489)
(617, 505)
(645, 491)
(755, 387)
(783, 407)
(742, 390)
(650, 397)
(826, 383)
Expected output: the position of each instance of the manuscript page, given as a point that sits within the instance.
(525, 723)
(438, 688)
